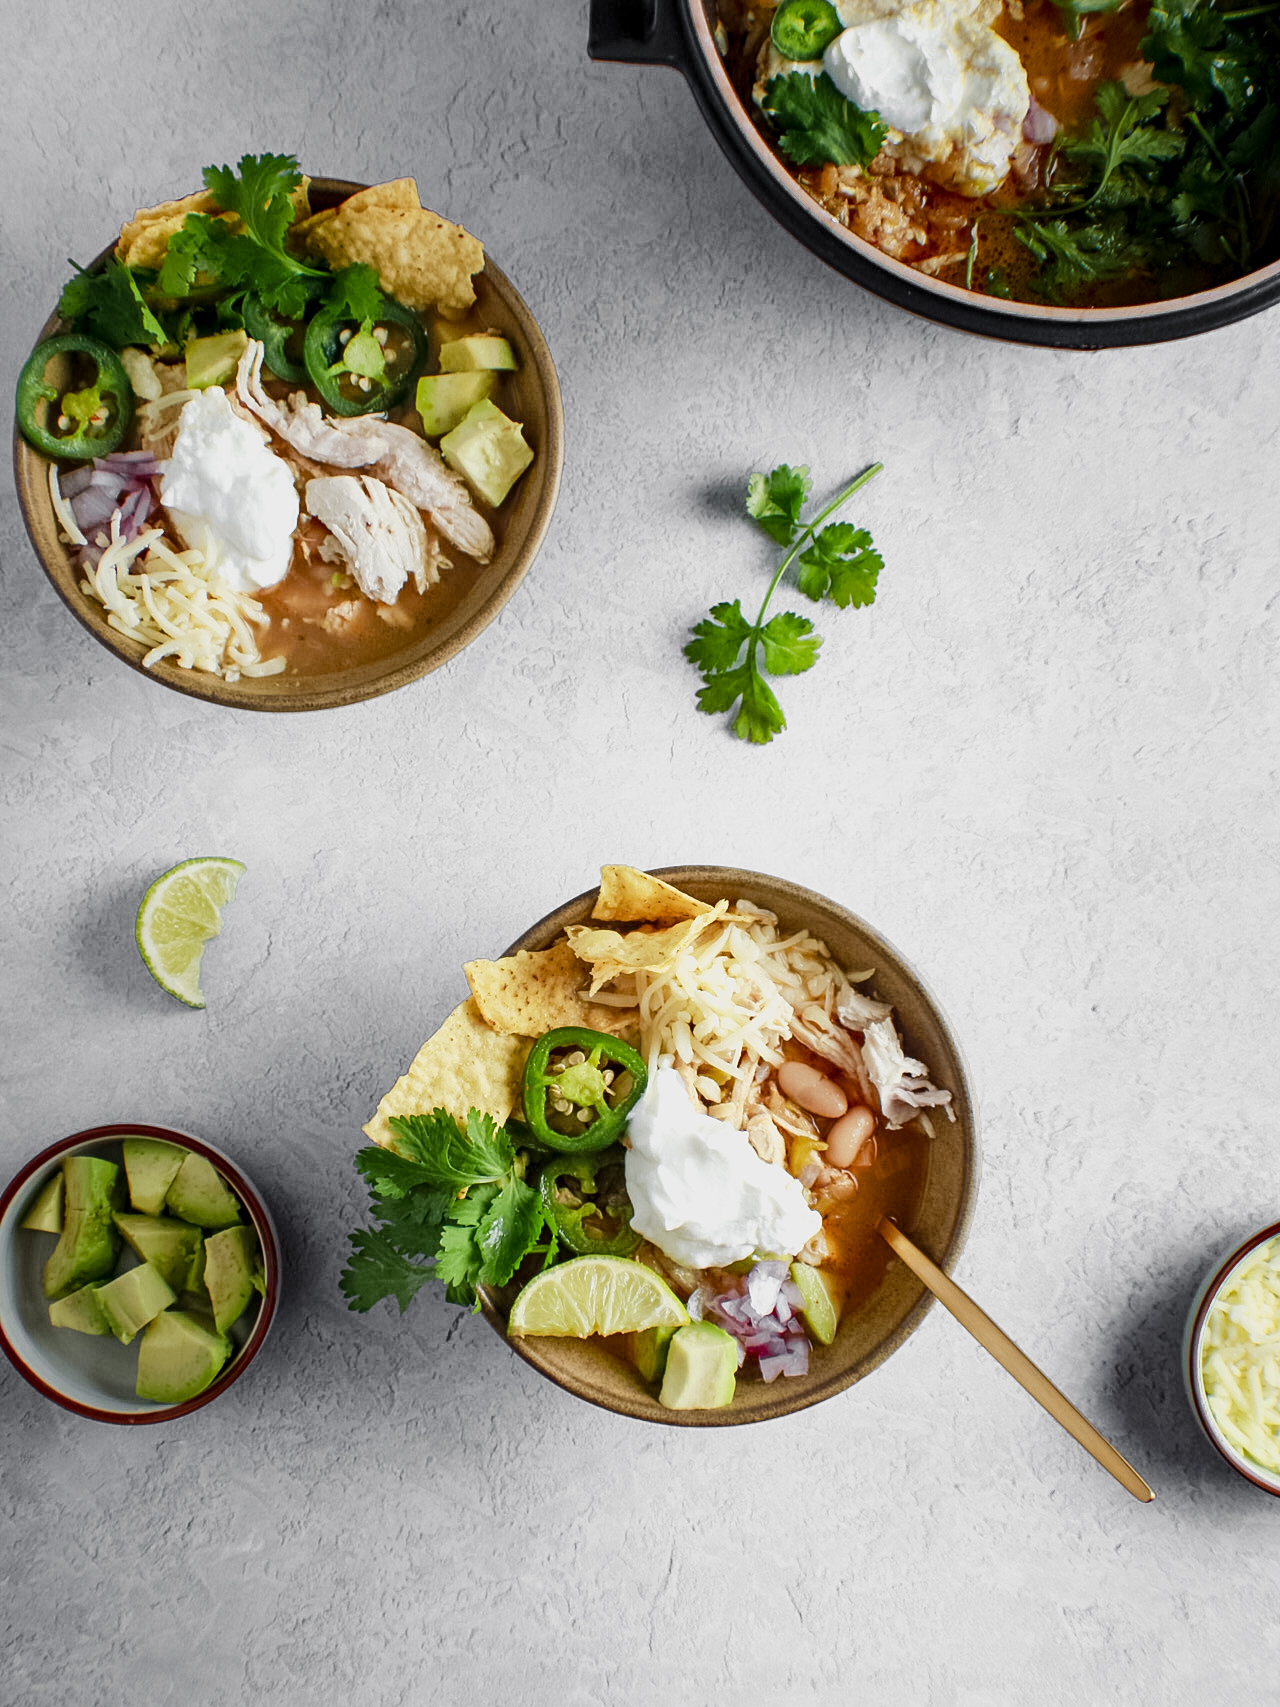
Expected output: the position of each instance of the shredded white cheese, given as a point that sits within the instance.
(66, 521)
(1240, 1357)
(173, 604)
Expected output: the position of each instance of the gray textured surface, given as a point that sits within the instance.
(1044, 765)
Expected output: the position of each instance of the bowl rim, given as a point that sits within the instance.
(31, 480)
(1192, 1374)
(947, 304)
(268, 1240)
(778, 1404)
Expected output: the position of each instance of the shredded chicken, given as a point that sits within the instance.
(379, 533)
(902, 1084)
(766, 1140)
(396, 456)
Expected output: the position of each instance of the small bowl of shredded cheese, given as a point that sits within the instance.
(1232, 1358)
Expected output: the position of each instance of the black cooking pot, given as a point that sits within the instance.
(680, 33)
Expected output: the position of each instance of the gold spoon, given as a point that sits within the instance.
(1017, 1363)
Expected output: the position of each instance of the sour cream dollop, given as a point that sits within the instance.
(700, 1192)
(229, 495)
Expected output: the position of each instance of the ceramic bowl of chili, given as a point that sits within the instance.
(682, 35)
(466, 600)
(90, 1375)
(594, 1369)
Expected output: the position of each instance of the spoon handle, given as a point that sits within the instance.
(1017, 1363)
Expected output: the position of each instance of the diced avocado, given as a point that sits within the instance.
(81, 1311)
(151, 1165)
(821, 1306)
(45, 1214)
(133, 1299)
(199, 1195)
(213, 361)
(230, 1257)
(89, 1244)
(487, 449)
(166, 1244)
(444, 399)
(478, 351)
(650, 1349)
(702, 1368)
(194, 1281)
(178, 1358)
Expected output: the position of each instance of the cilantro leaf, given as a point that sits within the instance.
(377, 1269)
(818, 126)
(841, 563)
(775, 501)
(1123, 136)
(718, 640)
(1192, 45)
(110, 306)
(1077, 256)
(356, 293)
(509, 1231)
(789, 644)
(261, 194)
(445, 1155)
(760, 717)
(458, 1264)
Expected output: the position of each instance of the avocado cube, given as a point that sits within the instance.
(199, 1195)
(228, 1273)
(166, 1244)
(89, 1244)
(178, 1358)
(151, 1166)
(81, 1311)
(45, 1213)
(213, 361)
(650, 1348)
(133, 1299)
(444, 399)
(702, 1368)
(479, 350)
(487, 449)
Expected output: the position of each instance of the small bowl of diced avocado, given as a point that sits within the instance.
(139, 1273)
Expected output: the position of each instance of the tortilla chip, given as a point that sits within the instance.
(144, 241)
(538, 990)
(400, 192)
(628, 894)
(464, 1065)
(613, 953)
(420, 259)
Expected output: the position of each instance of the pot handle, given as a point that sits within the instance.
(636, 32)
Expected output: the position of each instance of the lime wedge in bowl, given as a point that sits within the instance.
(596, 1295)
(178, 915)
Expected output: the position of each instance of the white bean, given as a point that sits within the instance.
(848, 1135)
(813, 1090)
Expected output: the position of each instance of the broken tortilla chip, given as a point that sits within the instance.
(626, 893)
(400, 192)
(464, 1065)
(539, 990)
(420, 259)
(615, 953)
(144, 241)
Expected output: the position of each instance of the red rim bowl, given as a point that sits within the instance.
(69, 1368)
(1197, 1317)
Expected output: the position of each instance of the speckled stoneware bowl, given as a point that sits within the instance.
(524, 520)
(91, 1375)
(1192, 1343)
(867, 1335)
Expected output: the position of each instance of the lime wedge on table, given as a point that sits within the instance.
(178, 915)
(596, 1295)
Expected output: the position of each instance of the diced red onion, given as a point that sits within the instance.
(75, 480)
(1039, 126)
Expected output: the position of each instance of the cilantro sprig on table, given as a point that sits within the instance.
(836, 562)
(451, 1205)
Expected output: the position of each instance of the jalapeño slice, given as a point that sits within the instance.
(74, 398)
(585, 1199)
(281, 340)
(579, 1087)
(358, 366)
(804, 29)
